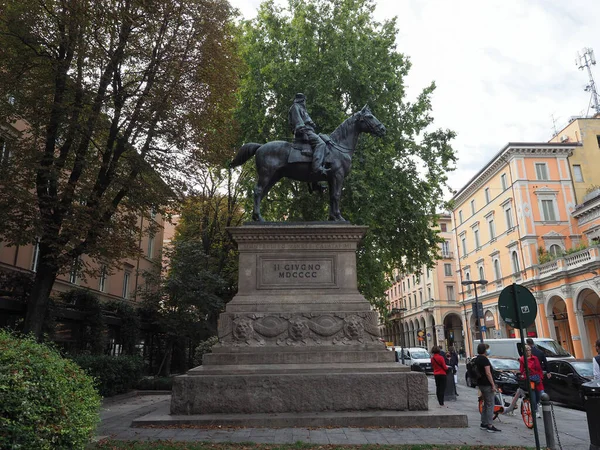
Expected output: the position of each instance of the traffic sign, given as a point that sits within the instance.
(513, 297)
(483, 328)
(477, 310)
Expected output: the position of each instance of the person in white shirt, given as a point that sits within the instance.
(596, 362)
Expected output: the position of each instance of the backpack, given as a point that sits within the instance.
(474, 371)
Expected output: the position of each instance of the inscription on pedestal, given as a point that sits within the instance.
(276, 272)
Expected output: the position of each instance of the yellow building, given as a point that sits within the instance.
(512, 222)
(424, 306)
(583, 164)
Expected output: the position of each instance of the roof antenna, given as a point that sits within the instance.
(587, 60)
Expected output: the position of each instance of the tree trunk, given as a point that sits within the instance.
(37, 306)
(165, 366)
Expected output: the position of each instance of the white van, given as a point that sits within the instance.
(511, 348)
(418, 358)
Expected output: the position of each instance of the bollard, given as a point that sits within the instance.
(548, 427)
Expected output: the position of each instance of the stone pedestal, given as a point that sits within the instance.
(298, 336)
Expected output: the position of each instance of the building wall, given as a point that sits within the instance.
(121, 284)
(585, 131)
(540, 202)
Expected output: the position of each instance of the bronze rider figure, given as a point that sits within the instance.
(304, 130)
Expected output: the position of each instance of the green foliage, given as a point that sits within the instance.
(113, 374)
(129, 332)
(544, 256)
(92, 336)
(341, 58)
(204, 347)
(577, 248)
(16, 285)
(121, 102)
(46, 401)
(155, 384)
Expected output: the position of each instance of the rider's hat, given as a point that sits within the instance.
(300, 96)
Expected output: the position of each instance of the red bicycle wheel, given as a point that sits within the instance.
(526, 413)
(480, 404)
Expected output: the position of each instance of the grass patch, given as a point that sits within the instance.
(168, 445)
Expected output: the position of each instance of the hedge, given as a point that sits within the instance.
(113, 374)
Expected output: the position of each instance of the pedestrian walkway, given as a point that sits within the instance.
(117, 416)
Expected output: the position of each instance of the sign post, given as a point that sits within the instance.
(518, 308)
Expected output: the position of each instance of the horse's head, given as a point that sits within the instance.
(369, 123)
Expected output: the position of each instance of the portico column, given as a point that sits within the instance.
(551, 329)
(573, 325)
(583, 335)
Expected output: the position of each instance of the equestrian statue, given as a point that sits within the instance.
(311, 157)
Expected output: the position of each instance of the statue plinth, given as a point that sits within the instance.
(298, 336)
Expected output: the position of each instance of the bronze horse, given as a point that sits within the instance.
(272, 161)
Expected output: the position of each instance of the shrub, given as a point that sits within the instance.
(46, 401)
(155, 384)
(204, 347)
(113, 374)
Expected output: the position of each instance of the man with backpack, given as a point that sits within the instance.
(596, 362)
(482, 372)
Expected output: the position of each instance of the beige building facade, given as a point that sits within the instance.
(424, 305)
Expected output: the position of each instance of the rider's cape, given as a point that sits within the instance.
(302, 151)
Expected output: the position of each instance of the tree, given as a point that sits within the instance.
(199, 268)
(117, 103)
(334, 52)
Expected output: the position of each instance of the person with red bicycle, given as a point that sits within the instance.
(535, 375)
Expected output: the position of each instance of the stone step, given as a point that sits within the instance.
(360, 419)
(298, 369)
(312, 357)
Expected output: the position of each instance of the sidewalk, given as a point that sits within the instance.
(572, 424)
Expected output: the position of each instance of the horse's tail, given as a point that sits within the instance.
(246, 152)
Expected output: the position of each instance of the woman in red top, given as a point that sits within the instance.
(440, 369)
(535, 374)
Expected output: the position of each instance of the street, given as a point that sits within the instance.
(572, 427)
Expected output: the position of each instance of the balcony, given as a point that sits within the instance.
(447, 255)
(588, 257)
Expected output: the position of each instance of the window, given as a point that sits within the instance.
(408, 282)
(102, 280)
(515, 262)
(503, 181)
(4, 153)
(473, 207)
(548, 213)
(577, 174)
(476, 235)
(125, 293)
(492, 228)
(403, 286)
(460, 217)
(555, 250)
(481, 273)
(36, 256)
(446, 248)
(443, 227)
(450, 293)
(429, 294)
(598, 139)
(73, 271)
(464, 244)
(420, 297)
(487, 195)
(497, 272)
(448, 270)
(468, 278)
(415, 299)
(150, 246)
(508, 214)
(541, 171)
(152, 212)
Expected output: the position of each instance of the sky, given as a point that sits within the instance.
(505, 70)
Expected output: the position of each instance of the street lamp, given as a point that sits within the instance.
(399, 311)
(475, 283)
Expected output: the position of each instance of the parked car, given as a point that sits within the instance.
(417, 358)
(504, 372)
(567, 376)
(511, 348)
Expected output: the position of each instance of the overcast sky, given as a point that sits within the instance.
(502, 68)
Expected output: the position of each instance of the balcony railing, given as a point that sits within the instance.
(447, 255)
(570, 262)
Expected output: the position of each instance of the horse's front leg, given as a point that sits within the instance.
(335, 193)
